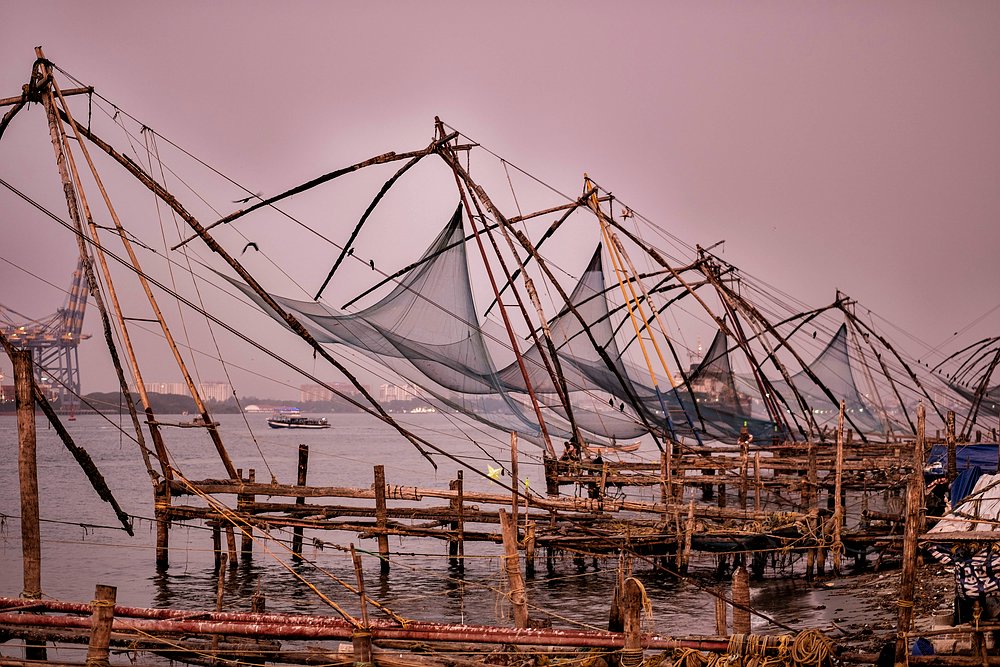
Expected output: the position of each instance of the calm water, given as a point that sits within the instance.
(76, 557)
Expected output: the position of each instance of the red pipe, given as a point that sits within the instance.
(254, 625)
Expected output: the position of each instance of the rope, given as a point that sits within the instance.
(811, 647)
(631, 657)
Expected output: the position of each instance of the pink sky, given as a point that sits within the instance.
(850, 145)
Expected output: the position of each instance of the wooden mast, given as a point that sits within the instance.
(63, 156)
(202, 409)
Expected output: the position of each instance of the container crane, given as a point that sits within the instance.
(53, 342)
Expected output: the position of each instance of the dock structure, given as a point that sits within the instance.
(817, 500)
(797, 502)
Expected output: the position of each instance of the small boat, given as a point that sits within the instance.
(292, 419)
(610, 449)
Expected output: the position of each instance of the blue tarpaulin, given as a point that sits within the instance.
(983, 455)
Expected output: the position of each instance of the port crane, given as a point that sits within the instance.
(53, 342)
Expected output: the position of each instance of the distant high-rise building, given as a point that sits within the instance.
(390, 392)
(176, 388)
(215, 391)
(316, 392)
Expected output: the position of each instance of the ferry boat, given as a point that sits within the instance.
(294, 419)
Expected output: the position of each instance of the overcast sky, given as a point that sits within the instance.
(850, 145)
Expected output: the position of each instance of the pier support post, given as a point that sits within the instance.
(632, 603)
(381, 518)
(245, 501)
(688, 537)
(665, 482)
(100, 633)
(456, 545)
(952, 451)
(838, 501)
(27, 469)
(217, 544)
(741, 600)
(529, 549)
(518, 598)
(300, 480)
(721, 621)
(912, 529)
(551, 466)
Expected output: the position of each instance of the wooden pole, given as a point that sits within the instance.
(231, 545)
(741, 600)
(246, 542)
(460, 513)
(632, 606)
(513, 477)
(220, 591)
(380, 518)
(838, 507)
(665, 481)
(952, 451)
(161, 493)
(303, 469)
(518, 598)
(721, 622)
(100, 634)
(744, 466)
(809, 504)
(360, 576)
(529, 549)
(688, 535)
(27, 470)
(453, 560)
(913, 528)
(133, 259)
(217, 544)
(758, 487)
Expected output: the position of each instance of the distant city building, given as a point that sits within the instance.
(315, 392)
(215, 391)
(390, 392)
(209, 391)
(177, 388)
(6, 392)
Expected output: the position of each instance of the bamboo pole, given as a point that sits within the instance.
(380, 518)
(303, 469)
(912, 529)
(518, 597)
(838, 508)
(100, 634)
(27, 470)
